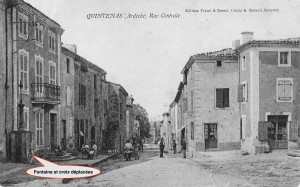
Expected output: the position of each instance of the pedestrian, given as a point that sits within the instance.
(174, 146)
(161, 147)
(183, 148)
(141, 144)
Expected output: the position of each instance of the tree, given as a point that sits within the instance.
(142, 116)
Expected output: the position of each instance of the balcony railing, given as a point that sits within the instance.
(45, 93)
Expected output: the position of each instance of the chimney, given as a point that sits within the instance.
(71, 47)
(247, 37)
(235, 44)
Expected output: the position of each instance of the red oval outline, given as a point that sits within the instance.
(61, 165)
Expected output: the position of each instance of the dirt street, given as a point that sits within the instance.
(227, 168)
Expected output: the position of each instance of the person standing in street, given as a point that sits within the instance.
(161, 147)
(174, 146)
(183, 145)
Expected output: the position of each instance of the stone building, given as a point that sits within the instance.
(115, 133)
(82, 114)
(34, 89)
(269, 87)
(207, 108)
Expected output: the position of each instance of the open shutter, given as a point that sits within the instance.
(263, 130)
(86, 130)
(240, 93)
(293, 130)
(219, 98)
(226, 97)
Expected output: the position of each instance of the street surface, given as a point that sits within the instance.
(150, 170)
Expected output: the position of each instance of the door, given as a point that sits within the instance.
(277, 133)
(81, 134)
(64, 138)
(182, 135)
(211, 135)
(53, 120)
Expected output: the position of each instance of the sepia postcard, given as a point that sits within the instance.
(150, 93)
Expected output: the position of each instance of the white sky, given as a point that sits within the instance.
(147, 56)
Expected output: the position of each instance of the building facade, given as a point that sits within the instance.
(35, 88)
(82, 114)
(268, 93)
(115, 134)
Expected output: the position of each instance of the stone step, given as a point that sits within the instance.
(55, 158)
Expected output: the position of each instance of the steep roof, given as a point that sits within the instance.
(289, 42)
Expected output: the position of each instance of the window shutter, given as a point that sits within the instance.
(219, 98)
(86, 128)
(226, 97)
(293, 130)
(263, 130)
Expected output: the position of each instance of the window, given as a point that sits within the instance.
(39, 129)
(39, 34)
(243, 92)
(69, 96)
(23, 71)
(23, 25)
(185, 105)
(222, 97)
(95, 81)
(192, 100)
(243, 127)
(219, 63)
(52, 73)
(39, 76)
(68, 65)
(93, 134)
(243, 66)
(82, 95)
(284, 90)
(96, 107)
(51, 41)
(26, 118)
(284, 59)
(192, 131)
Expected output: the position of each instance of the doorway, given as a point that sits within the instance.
(64, 133)
(277, 132)
(53, 121)
(211, 135)
(182, 135)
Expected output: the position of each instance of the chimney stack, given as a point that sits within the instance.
(247, 37)
(235, 44)
(71, 47)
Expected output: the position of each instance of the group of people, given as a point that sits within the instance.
(90, 151)
(174, 145)
(135, 146)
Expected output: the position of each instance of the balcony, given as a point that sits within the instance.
(44, 93)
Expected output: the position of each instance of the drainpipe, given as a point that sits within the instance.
(6, 80)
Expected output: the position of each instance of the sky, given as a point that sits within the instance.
(146, 56)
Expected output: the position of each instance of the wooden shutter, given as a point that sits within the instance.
(86, 128)
(219, 98)
(226, 97)
(293, 130)
(263, 130)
